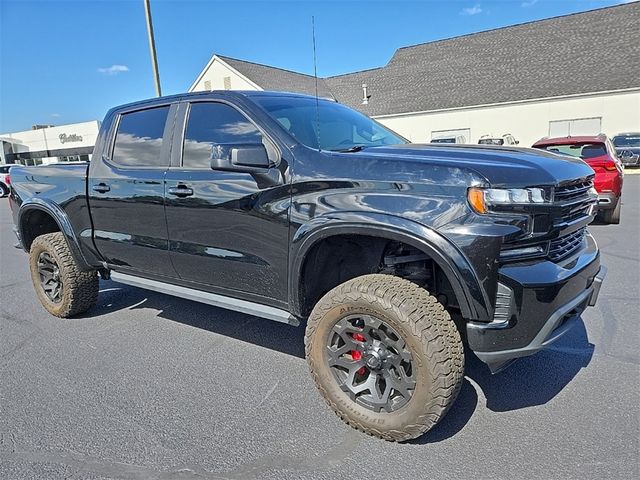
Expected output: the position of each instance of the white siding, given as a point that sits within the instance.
(527, 121)
(216, 74)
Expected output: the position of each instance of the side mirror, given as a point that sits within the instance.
(250, 158)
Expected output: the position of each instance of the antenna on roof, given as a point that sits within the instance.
(315, 76)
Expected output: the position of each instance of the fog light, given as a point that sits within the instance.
(522, 252)
(502, 311)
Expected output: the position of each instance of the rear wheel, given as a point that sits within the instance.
(63, 289)
(4, 190)
(385, 355)
(612, 216)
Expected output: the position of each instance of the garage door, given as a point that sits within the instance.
(575, 127)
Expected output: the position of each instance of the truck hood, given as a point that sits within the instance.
(500, 166)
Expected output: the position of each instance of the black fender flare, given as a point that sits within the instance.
(472, 298)
(56, 212)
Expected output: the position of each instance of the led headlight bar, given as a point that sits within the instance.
(482, 199)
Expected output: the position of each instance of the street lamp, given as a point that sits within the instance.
(152, 47)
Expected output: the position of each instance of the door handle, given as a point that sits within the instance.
(101, 187)
(181, 191)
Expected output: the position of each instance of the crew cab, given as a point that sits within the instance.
(599, 153)
(298, 209)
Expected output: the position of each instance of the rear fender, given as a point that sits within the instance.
(60, 217)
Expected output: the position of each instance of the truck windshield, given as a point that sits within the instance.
(627, 141)
(330, 126)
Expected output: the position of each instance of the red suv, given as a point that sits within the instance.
(600, 154)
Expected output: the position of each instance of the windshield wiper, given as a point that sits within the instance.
(355, 148)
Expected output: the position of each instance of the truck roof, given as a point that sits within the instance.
(226, 93)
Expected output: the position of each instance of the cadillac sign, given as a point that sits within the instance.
(64, 138)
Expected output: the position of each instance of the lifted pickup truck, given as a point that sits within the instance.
(295, 209)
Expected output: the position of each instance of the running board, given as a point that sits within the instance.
(221, 301)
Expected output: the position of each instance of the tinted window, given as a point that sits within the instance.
(212, 129)
(139, 138)
(491, 141)
(326, 125)
(627, 141)
(582, 150)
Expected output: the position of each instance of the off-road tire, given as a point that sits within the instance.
(427, 329)
(612, 216)
(79, 288)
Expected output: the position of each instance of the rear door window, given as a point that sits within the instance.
(139, 138)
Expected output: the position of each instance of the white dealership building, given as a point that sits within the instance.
(571, 75)
(45, 144)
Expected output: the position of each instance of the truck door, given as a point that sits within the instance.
(228, 230)
(126, 191)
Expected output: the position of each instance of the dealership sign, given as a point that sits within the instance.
(64, 138)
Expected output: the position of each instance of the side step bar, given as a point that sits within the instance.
(221, 301)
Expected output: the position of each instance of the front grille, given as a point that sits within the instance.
(564, 246)
(574, 200)
(572, 191)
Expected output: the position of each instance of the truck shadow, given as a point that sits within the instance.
(530, 381)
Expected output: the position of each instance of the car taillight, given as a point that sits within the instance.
(7, 179)
(609, 165)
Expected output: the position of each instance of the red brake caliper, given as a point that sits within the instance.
(357, 354)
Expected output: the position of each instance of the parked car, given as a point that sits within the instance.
(599, 153)
(450, 139)
(234, 199)
(506, 139)
(5, 180)
(627, 147)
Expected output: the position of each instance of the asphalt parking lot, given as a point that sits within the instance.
(147, 386)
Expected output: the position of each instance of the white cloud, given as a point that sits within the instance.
(114, 69)
(475, 10)
(56, 115)
(528, 3)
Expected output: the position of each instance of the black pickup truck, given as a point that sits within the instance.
(296, 209)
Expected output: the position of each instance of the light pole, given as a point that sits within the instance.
(152, 47)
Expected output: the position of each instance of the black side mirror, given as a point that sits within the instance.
(250, 158)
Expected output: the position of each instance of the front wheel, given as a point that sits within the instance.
(63, 289)
(385, 355)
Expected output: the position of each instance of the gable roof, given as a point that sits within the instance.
(580, 53)
(272, 78)
(594, 51)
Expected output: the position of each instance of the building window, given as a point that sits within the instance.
(207, 84)
(227, 83)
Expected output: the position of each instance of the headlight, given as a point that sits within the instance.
(482, 199)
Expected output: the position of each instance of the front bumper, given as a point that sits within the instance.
(546, 300)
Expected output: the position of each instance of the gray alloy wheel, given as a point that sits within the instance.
(371, 363)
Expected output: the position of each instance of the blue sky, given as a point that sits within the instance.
(70, 61)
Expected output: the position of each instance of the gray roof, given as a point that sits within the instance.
(272, 78)
(594, 51)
